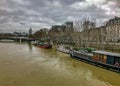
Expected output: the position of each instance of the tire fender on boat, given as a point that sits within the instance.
(117, 64)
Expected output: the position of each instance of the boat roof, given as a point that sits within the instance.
(107, 53)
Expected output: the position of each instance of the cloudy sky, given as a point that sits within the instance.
(22, 14)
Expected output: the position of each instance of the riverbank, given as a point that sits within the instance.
(112, 47)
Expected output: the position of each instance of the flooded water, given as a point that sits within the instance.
(26, 65)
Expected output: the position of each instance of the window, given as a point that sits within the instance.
(117, 59)
(110, 60)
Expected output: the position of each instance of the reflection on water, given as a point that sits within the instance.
(26, 65)
(30, 46)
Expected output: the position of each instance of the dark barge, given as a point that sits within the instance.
(99, 58)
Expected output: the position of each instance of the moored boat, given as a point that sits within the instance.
(82, 54)
(44, 45)
(34, 43)
(99, 58)
(107, 59)
(63, 49)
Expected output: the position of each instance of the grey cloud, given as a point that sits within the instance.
(39, 13)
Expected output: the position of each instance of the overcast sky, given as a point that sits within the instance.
(22, 14)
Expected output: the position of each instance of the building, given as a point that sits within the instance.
(61, 32)
(88, 25)
(113, 29)
(110, 32)
(69, 24)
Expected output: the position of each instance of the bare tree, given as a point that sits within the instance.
(77, 32)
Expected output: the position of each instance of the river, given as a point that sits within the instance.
(27, 65)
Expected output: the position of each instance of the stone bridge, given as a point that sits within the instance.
(19, 38)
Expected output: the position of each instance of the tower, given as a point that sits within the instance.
(30, 31)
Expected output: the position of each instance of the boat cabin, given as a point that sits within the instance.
(107, 58)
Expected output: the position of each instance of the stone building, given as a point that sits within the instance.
(61, 32)
(88, 25)
(89, 31)
(55, 31)
(110, 32)
(68, 25)
(113, 29)
(102, 34)
(91, 35)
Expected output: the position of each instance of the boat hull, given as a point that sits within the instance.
(45, 46)
(63, 50)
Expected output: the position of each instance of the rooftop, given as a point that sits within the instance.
(107, 53)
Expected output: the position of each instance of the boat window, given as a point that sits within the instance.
(94, 56)
(105, 57)
(110, 60)
(97, 56)
(101, 58)
(117, 60)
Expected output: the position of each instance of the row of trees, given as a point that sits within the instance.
(84, 33)
(77, 34)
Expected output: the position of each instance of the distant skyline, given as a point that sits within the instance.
(22, 14)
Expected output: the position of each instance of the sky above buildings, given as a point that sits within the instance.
(22, 14)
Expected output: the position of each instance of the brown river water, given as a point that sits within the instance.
(26, 65)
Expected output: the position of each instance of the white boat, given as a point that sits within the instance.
(63, 48)
(34, 42)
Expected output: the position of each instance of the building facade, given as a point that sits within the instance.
(110, 32)
(113, 29)
(61, 32)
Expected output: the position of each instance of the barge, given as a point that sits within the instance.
(99, 58)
